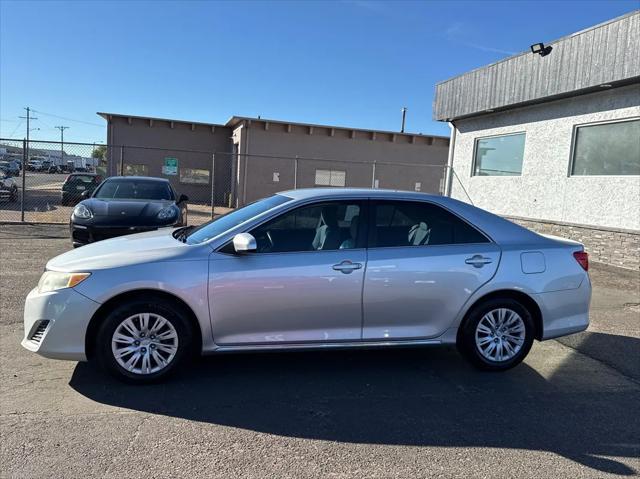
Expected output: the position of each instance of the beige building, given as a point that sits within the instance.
(552, 141)
(252, 157)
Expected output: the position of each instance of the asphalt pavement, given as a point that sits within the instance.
(572, 409)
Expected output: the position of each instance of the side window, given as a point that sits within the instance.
(322, 226)
(406, 223)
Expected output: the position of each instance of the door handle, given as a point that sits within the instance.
(347, 266)
(478, 261)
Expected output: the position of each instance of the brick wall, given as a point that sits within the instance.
(616, 247)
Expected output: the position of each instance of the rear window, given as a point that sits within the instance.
(406, 223)
(81, 179)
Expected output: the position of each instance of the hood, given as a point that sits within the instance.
(125, 208)
(7, 182)
(128, 250)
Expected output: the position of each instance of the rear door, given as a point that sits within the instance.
(424, 263)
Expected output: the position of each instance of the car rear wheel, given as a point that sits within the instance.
(144, 341)
(497, 334)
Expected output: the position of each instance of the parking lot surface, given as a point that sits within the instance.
(571, 410)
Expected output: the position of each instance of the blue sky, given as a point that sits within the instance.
(349, 63)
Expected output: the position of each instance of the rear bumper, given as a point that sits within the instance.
(565, 312)
(55, 323)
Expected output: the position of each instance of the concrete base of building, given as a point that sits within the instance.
(610, 246)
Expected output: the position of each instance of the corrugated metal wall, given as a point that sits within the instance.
(606, 53)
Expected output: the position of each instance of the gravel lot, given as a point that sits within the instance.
(571, 410)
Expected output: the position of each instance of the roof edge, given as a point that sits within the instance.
(566, 37)
(235, 120)
(106, 116)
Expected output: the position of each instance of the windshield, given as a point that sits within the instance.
(232, 219)
(134, 190)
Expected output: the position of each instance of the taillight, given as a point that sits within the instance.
(582, 257)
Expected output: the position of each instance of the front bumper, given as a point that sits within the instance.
(55, 323)
(81, 234)
(8, 194)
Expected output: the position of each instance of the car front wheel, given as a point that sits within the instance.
(144, 341)
(497, 334)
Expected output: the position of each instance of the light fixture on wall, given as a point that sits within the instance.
(540, 49)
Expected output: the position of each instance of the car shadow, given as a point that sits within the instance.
(417, 397)
(619, 352)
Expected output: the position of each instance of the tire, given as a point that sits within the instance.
(128, 318)
(476, 336)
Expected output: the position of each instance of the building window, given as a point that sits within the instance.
(499, 155)
(331, 178)
(136, 170)
(607, 149)
(194, 176)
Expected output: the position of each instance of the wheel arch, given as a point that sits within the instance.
(146, 294)
(526, 300)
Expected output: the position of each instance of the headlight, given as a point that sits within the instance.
(167, 213)
(52, 280)
(81, 211)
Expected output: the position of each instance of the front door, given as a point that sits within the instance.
(423, 265)
(303, 284)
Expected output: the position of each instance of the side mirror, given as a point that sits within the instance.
(244, 243)
(183, 199)
(85, 194)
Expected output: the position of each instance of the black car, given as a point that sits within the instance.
(124, 205)
(11, 168)
(8, 187)
(78, 184)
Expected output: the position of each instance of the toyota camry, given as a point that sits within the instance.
(312, 269)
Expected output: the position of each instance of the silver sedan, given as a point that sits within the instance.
(312, 269)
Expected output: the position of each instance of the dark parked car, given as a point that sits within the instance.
(8, 187)
(124, 205)
(78, 184)
(10, 167)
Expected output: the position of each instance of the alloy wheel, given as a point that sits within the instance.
(144, 343)
(500, 335)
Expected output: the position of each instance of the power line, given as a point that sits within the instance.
(46, 124)
(68, 119)
(16, 128)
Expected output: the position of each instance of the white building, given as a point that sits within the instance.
(553, 140)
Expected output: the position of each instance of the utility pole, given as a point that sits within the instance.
(62, 128)
(28, 117)
(404, 116)
(25, 160)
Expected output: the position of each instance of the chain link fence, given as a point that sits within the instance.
(41, 181)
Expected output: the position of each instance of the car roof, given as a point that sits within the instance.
(309, 193)
(138, 178)
(80, 173)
